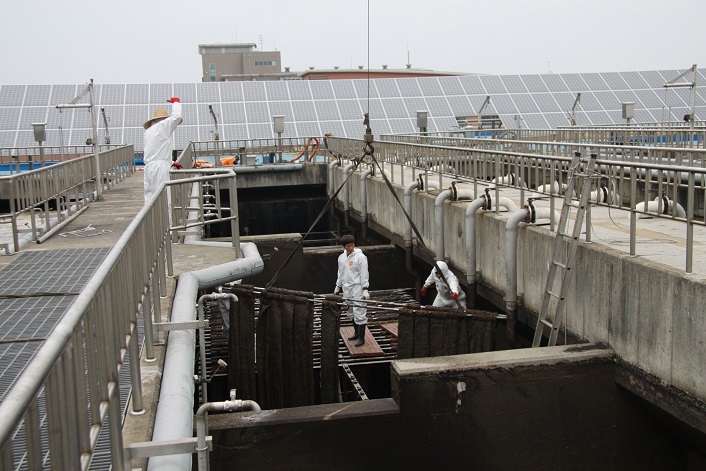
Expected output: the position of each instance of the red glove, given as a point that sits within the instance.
(454, 296)
(173, 100)
(177, 166)
(424, 290)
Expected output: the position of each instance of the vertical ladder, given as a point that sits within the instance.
(552, 313)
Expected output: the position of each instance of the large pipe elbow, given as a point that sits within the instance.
(364, 193)
(331, 165)
(408, 209)
(471, 210)
(661, 206)
(511, 257)
(544, 213)
(439, 219)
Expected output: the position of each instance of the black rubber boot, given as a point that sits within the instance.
(355, 332)
(361, 335)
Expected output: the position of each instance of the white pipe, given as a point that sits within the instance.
(174, 417)
(464, 193)
(387, 174)
(364, 193)
(551, 188)
(543, 213)
(331, 165)
(234, 405)
(475, 205)
(408, 207)
(439, 220)
(347, 193)
(511, 258)
(511, 180)
(666, 204)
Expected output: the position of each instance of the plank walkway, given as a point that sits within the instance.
(370, 348)
(390, 327)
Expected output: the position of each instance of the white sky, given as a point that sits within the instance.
(156, 41)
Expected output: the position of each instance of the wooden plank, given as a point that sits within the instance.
(370, 348)
(391, 327)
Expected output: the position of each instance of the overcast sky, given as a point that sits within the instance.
(156, 41)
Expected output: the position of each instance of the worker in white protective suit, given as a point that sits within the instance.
(446, 294)
(158, 148)
(353, 280)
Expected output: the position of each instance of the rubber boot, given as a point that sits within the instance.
(361, 335)
(355, 332)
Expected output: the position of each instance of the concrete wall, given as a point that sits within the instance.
(552, 408)
(650, 314)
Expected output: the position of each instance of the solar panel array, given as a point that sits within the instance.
(317, 107)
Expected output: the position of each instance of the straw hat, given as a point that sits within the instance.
(159, 113)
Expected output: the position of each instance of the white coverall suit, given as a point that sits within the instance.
(158, 151)
(443, 291)
(353, 278)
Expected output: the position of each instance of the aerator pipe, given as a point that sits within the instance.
(407, 201)
(661, 206)
(331, 165)
(347, 192)
(234, 405)
(174, 417)
(511, 267)
(475, 205)
(364, 194)
(439, 220)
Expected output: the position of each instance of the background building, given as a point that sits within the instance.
(240, 62)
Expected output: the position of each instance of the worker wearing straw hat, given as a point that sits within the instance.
(158, 146)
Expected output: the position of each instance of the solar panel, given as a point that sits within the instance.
(7, 138)
(472, 85)
(677, 97)
(415, 104)
(634, 80)
(136, 115)
(556, 120)
(654, 79)
(525, 103)
(493, 84)
(575, 82)
(614, 81)
(343, 89)
(281, 108)
(12, 95)
(208, 92)
(388, 88)
(185, 91)
(299, 90)
(502, 104)
(607, 100)
(61, 94)
(595, 81)
(112, 94)
(649, 99)
(321, 90)
(350, 109)
(83, 119)
(546, 103)
(233, 113)
(513, 83)
(365, 88)
(37, 95)
(460, 106)
(232, 132)
(60, 118)
(304, 111)
(308, 129)
(401, 126)
(185, 134)
(25, 139)
(644, 116)
(353, 129)
(9, 118)
(32, 114)
(276, 90)
(136, 93)
(254, 91)
(379, 126)
(554, 83)
(598, 117)
(534, 121)
(566, 100)
(257, 112)
(450, 86)
(394, 108)
(534, 83)
(161, 92)
(326, 110)
(438, 106)
(205, 114)
(134, 136)
(430, 86)
(332, 127)
(231, 91)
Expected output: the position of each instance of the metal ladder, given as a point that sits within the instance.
(560, 267)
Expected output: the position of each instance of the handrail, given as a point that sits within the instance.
(70, 185)
(675, 177)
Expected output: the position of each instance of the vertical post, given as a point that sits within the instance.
(94, 125)
(234, 223)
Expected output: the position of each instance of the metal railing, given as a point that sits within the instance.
(63, 189)
(674, 178)
(74, 376)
